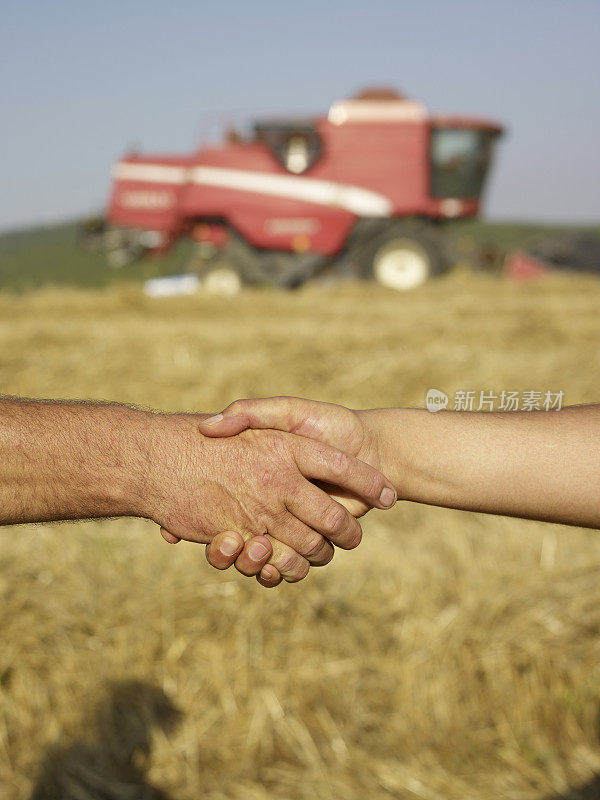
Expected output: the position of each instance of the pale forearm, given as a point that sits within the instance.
(540, 465)
(71, 460)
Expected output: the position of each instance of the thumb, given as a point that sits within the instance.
(307, 418)
(220, 425)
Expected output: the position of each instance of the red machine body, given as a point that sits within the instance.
(302, 185)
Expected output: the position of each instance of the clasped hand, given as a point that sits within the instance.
(274, 500)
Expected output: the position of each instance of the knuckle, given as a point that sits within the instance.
(374, 484)
(299, 573)
(328, 556)
(287, 563)
(335, 518)
(353, 540)
(235, 408)
(324, 557)
(277, 518)
(283, 446)
(274, 477)
(268, 478)
(340, 463)
(276, 447)
(356, 538)
(314, 546)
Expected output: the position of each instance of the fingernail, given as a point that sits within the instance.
(388, 497)
(212, 420)
(267, 573)
(229, 546)
(257, 551)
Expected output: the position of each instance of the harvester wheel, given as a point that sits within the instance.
(222, 280)
(403, 261)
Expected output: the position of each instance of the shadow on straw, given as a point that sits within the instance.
(589, 791)
(110, 761)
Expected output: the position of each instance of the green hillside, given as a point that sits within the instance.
(51, 256)
(45, 256)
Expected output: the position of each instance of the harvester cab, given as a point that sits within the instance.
(295, 144)
(460, 161)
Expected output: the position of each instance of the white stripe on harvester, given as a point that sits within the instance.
(352, 198)
(359, 201)
(152, 173)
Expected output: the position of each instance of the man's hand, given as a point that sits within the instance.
(83, 460)
(257, 484)
(330, 424)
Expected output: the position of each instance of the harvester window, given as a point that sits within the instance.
(296, 146)
(460, 158)
(298, 156)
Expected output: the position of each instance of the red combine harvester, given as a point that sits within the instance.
(366, 186)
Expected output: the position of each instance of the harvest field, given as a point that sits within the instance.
(452, 656)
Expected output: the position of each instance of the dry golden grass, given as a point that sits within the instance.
(451, 656)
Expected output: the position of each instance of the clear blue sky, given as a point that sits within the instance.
(82, 80)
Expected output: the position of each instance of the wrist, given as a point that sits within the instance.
(386, 430)
(131, 483)
(169, 442)
(375, 448)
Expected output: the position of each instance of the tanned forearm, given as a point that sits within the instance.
(539, 465)
(71, 460)
(63, 460)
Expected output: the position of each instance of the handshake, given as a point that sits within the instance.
(274, 485)
(270, 485)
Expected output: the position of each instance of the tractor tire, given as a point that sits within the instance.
(402, 259)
